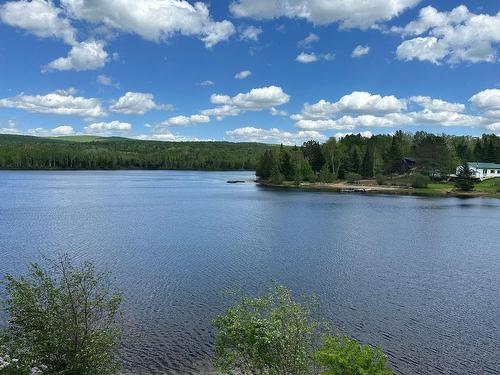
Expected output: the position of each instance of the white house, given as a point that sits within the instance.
(483, 171)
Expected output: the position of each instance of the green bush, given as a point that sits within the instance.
(381, 180)
(352, 177)
(420, 181)
(312, 178)
(64, 321)
(277, 178)
(275, 334)
(345, 356)
(271, 334)
(326, 174)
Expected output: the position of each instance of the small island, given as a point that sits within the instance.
(408, 164)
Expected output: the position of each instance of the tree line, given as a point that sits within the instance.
(22, 152)
(354, 156)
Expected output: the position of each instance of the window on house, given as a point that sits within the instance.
(492, 171)
(485, 171)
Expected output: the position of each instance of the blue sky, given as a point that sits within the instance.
(248, 70)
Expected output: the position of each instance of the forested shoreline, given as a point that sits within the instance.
(355, 157)
(25, 152)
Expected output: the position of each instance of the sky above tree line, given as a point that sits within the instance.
(278, 71)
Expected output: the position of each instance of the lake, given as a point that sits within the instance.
(418, 276)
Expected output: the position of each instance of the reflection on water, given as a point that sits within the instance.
(418, 276)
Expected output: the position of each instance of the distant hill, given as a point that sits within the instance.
(85, 138)
(93, 152)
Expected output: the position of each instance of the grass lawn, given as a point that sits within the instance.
(434, 189)
(441, 186)
(491, 185)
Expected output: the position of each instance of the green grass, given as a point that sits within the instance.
(434, 189)
(441, 186)
(491, 185)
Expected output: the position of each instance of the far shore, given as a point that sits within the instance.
(345, 187)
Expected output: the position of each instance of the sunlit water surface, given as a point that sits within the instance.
(418, 276)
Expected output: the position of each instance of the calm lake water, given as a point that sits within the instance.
(418, 276)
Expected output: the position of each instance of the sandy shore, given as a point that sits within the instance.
(377, 189)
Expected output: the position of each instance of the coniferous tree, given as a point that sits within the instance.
(369, 162)
(394, 163)
(465, 178)
(312, 153)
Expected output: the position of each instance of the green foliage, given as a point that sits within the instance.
(306, 172)
(420, 181)
(272, 335)
(394, 164)
(465, 178)
(286, 167)
(380, 178)
(434, 156)
(64, 320)
(266, 165)
(312, 153)
(491, 185)
(368, 166)
(312, 178)
(275, 334)
(325, 174)
(344, 356)
(23, 152)
(352, 177)
(276, 176)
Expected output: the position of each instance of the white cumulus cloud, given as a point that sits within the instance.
(186, 120)
(306, 58)
(61, 102)
(155, 20)
(108, 127)
(365, 134)
(39, 17)
(348, 13)
(274, 135)
(360, 51)
(437, 105)
(88, 55)
(251, 33)
(450, 37)
(308, 40)
(244, 74)
(137, 103)
(486, 100)
(365, 110)
(63, 130)
(254, 100)
(356, 102)
(9, 128)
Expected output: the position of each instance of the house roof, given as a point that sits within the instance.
(479, 165)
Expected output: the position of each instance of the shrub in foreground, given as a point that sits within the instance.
(61, 321)
(272, 334)
(275, 334)
(344, 356)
